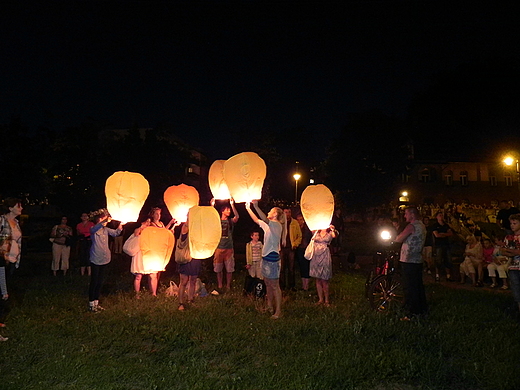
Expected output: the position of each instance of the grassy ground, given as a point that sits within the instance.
(469, 341)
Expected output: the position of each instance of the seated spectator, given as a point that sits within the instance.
(499, 264)
(473, 257)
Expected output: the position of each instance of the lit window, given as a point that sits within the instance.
(464, 178)
(425, 175)
(493, 181)
(509, 181)
(448, 179)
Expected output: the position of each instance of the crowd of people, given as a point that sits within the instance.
(281, 244)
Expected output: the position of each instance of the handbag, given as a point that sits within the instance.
(182, 252)
(309, 251)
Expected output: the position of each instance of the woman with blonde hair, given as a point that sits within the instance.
(473, 257)
(274, 227)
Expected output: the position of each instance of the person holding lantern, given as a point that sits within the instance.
(189, 269)
(321, 262)
(99, 255)
(224, 254)
(140, 266)
(273, 226)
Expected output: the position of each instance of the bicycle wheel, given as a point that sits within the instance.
(386, 293)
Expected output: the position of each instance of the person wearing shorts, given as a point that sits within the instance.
(273, 226)
(224, 254)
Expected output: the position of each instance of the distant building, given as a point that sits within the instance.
(460, 182)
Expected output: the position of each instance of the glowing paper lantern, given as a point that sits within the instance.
(244, 174)
(156, 248)
(205, 231)
(317, 204)
(179, 199)
(126, 193)
(217, 184)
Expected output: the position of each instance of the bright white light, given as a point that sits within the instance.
(509, 160)
(385, 235)
(297, 176)
(404, 193)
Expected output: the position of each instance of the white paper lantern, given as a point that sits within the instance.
(205, 231)
(217, 184)
(126, 193)
(244, 174)
(317, 204)
(179, 199)
(156, 248)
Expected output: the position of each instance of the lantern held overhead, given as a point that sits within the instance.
(179, 199)
(244, 174)
(126, 193)
(217, 184)
(156, 247)
(205, 231)
(317, 204)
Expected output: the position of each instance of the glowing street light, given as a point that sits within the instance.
(511, 161)
(297, 177)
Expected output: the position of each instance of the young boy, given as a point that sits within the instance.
(254, 256)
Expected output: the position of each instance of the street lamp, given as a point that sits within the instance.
(510, 161)
(296, 178)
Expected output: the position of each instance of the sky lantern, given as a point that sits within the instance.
(126, 193)
(179, 199)
(156, 248)
(244, 174)
(205, 231)
(317, 204)
(217, 184)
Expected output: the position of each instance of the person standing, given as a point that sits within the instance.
(321, 263)
(412, 239)
(303, 263)
(140, 266)
(292, 241)
(10, 248)
(254, 256)
(441, 234)
(224, 256)
(506, 210)
(84, 243)
(512, 249)
(273, 226)
(61, 236)
(10, 228)
(99, 256)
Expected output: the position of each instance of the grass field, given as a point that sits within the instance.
(471, 340)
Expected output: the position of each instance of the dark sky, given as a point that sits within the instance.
(232, 69)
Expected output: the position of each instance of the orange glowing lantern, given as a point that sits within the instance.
(317, 204)
(179, 199)
(126, 193)
(217, 184)
(205, 231)
(244, 174)
(156, 248)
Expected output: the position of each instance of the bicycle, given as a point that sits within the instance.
(383, 287)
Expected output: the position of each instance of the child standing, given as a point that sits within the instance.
(254, 256)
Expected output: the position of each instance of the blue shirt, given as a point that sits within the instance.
(99, 251)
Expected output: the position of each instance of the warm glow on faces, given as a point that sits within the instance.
(84, 216)
(255, 237)
(156, 215)
(515, 225)
(272, 214)
(408, 216)
(17, 209)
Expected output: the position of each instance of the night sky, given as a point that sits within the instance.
(218, 71)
